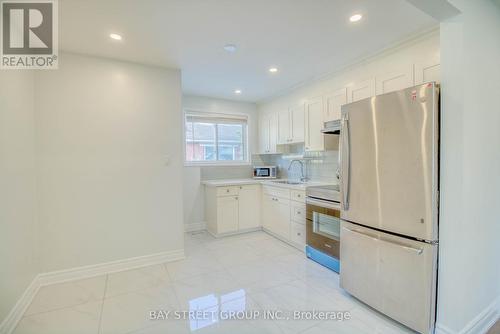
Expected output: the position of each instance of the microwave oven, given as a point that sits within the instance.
(265, 172)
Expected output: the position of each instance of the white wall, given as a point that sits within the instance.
(105, 131)
(469, 263)
(18, 263)
(193, 190)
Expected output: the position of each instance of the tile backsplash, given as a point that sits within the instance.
(318, 166)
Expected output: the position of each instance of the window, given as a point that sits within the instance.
(216, 139)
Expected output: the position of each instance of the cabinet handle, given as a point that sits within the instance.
(227, 190)
(236, 198)
(298, 212)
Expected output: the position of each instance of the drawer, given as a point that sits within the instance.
(227, 191)
(298, 234)
(277, 192)
(298, 212)
(298, 195)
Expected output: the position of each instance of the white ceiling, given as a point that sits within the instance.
(303, 38)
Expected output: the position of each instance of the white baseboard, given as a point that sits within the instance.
(479, 325)
(54, 277)
(16, 313)
(193, 227)
(222, 235)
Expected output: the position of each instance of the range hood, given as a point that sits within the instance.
(332, 127)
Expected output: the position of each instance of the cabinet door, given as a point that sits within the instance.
(264, 134)
(284, 127)
(398, 79)
(333, 102)
(273, 133)
(427, 72)
(227, 214)
(314, 140)
(281, 223)
(362, 90)
(249, 206)
(267, 211)
(297, 126)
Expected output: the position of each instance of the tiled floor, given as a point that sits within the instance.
(250, 272)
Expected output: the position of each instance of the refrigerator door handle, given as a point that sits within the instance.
(345, 157)
(375, 238)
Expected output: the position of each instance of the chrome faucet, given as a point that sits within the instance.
(303, 177)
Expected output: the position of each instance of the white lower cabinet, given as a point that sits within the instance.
(232, 209)
(248, 207)
(227, 214)
(298, 233)
(283, 214)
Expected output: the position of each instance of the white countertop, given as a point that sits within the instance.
(269, 182)
(230, 182)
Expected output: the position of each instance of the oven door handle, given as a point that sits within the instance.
(322, 203)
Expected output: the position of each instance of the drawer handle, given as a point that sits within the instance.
(227, 190)
(299, 213)
(327, 245)
(375, 238)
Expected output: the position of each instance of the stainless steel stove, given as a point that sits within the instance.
(323, 225)
(326, 193)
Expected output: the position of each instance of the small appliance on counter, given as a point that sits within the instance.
(323, 225)
(265, 172)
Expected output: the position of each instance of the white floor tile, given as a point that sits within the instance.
(62, 295)
(249, 272)
(81, 319)
(137, 279)
(130, 311)
(193, 265)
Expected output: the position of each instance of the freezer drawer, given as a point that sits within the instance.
(394, 275)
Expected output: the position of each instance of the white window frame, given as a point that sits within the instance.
(235, 116)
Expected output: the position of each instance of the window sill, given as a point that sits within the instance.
(216, 164)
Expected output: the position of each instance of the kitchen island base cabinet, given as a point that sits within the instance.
(232, 209)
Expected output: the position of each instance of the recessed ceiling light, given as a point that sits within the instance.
(237, 92)
(115, 37)
(230, 48)
(273, 70)
(355, 17)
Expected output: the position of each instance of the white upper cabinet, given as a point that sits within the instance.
(273, 133)
(291, 125)
(268, 133)
(427, 72)
(395, 80)
(314, 140)
(264, 134)
(362, 90)
(284, 125)
(297, 126)
(333, 103)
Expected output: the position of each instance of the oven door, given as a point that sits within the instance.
(323, 226)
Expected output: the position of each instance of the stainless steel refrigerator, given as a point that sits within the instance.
(389, 171)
